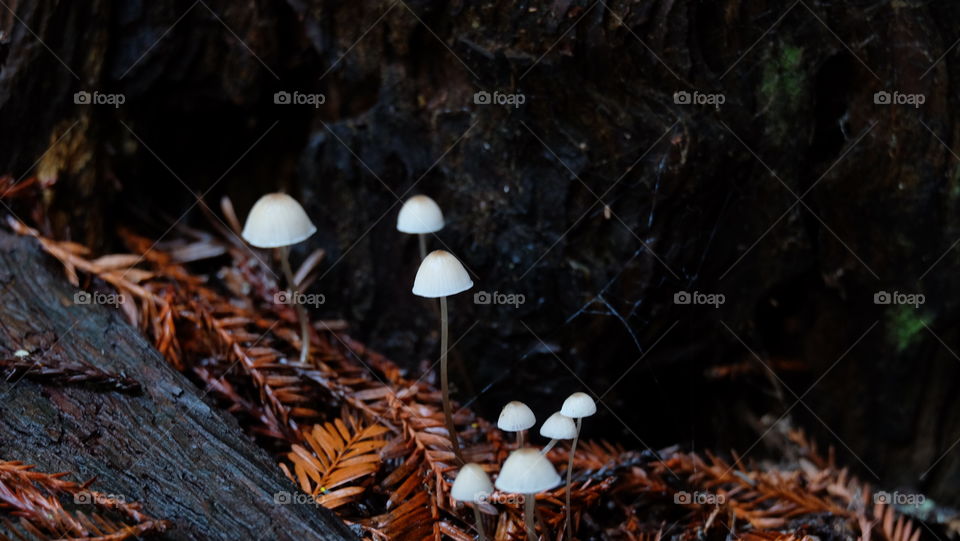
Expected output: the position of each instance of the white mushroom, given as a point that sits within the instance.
(557, 427)
(418, 216)
(516, 417)
(440, 275)
(527, 471)
(473, 485)
(278, 221)
(578, 405)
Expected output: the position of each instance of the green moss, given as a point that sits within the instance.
(904, 323)
(783, 85)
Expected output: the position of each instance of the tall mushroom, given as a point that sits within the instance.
(557, 427)
(527, 471)
(439, 276)
(516, 417)
(420, 215)
(473, 485)
(278, 221)
(577, 406)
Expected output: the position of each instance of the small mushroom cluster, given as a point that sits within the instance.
(278, 221)
(527, 471)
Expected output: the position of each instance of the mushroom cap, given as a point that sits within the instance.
(275, 220)
(578, 405)
(441, 275)
(472, 484)
(558, 427)
(516, 416)
(526, 471)
(419, 214)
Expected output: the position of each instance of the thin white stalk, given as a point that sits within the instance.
(479, 520)
(301, 311)
(529, 507)
(573, 450)
(548, 447)
(423, 246)
(444, 386)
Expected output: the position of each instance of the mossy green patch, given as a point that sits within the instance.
(904, 323)
(783, 85)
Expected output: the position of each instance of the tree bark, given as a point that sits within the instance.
(597, 199)
(166, 448)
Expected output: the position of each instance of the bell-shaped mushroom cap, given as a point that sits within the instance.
(441, 275)
(419, 214)
(558, 427)
(578, 405)
(275, 220)
(472, 484)
(526, 471)
(516, 416)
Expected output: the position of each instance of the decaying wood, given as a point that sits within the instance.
(166, 448)
(357, 434)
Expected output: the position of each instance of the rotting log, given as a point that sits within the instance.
(688, 183)
(163, 446)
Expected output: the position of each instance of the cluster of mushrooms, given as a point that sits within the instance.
(527, 470)
(278, 221)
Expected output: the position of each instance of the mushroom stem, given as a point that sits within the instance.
(549, 446)
(573, 450)
(479, 520)
(301, 311)
(529, 501)
(423, 246)
(520, 438)
(444, 386)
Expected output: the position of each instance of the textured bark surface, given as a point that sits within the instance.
(166, 448)
(699, 197)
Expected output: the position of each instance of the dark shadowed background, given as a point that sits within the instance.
(736, 148)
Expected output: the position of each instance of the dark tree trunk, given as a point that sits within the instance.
(166, 448)
(598, 198)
